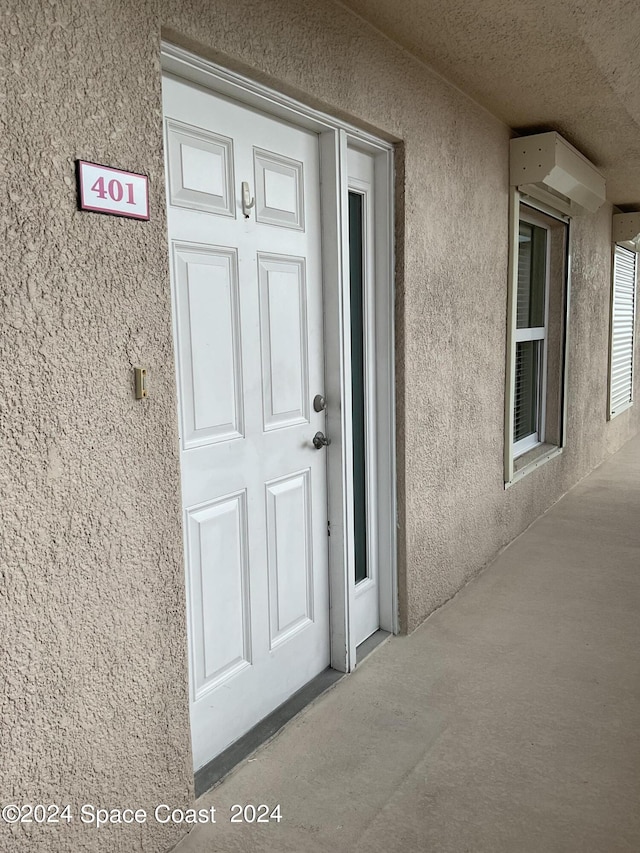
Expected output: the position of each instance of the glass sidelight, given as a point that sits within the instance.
(367, 262)
(357, 273)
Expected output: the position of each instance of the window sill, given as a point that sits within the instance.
(531, 460)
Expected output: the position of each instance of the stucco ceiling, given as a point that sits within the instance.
(566, 65)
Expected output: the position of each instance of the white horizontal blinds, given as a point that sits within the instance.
(530, 335)
(622, 328)
(526, 400)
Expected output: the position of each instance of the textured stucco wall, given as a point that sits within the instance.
(574, 65)
(452, 290)
(95, 706)
(92, 632)
(454, 512)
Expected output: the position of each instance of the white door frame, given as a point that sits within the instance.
(335, 137)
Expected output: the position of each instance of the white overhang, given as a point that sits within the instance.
(547, 163)
(626, 230)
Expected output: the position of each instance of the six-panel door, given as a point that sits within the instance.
(247, 297)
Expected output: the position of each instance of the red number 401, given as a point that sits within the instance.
(114, 188)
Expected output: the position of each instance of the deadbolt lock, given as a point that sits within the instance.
(320, 440)
(319, 403)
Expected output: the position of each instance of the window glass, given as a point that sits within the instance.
(530, 335)
(356, 269)
(532, 254)
(526, 402)
(535, 390)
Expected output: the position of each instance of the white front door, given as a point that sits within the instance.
(247, 300)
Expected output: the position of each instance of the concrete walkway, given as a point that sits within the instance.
(508, 723)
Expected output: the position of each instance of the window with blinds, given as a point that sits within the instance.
(535, 398)
(530, 336)
(623, 309)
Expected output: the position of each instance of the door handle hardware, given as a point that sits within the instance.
(320, 440)
(319, 403)
(247, 201)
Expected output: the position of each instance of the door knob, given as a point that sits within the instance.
(320, 440)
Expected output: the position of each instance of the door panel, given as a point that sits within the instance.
(279, 190)
(208, 318)
(220, 590)
(200, 169)
(283, 334)
(247, 295)
(289, 555)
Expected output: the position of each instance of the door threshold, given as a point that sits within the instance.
(367, 646)
(214, 772)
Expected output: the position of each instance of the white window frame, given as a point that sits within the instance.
(516, 450)
(533, 333)
(616, 284)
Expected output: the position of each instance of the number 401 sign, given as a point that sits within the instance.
(108, 190)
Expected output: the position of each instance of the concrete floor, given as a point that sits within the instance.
(508, 723)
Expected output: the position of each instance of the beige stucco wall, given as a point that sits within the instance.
(92, 630)
(93, 624)
(455, 514)
(452, 276)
